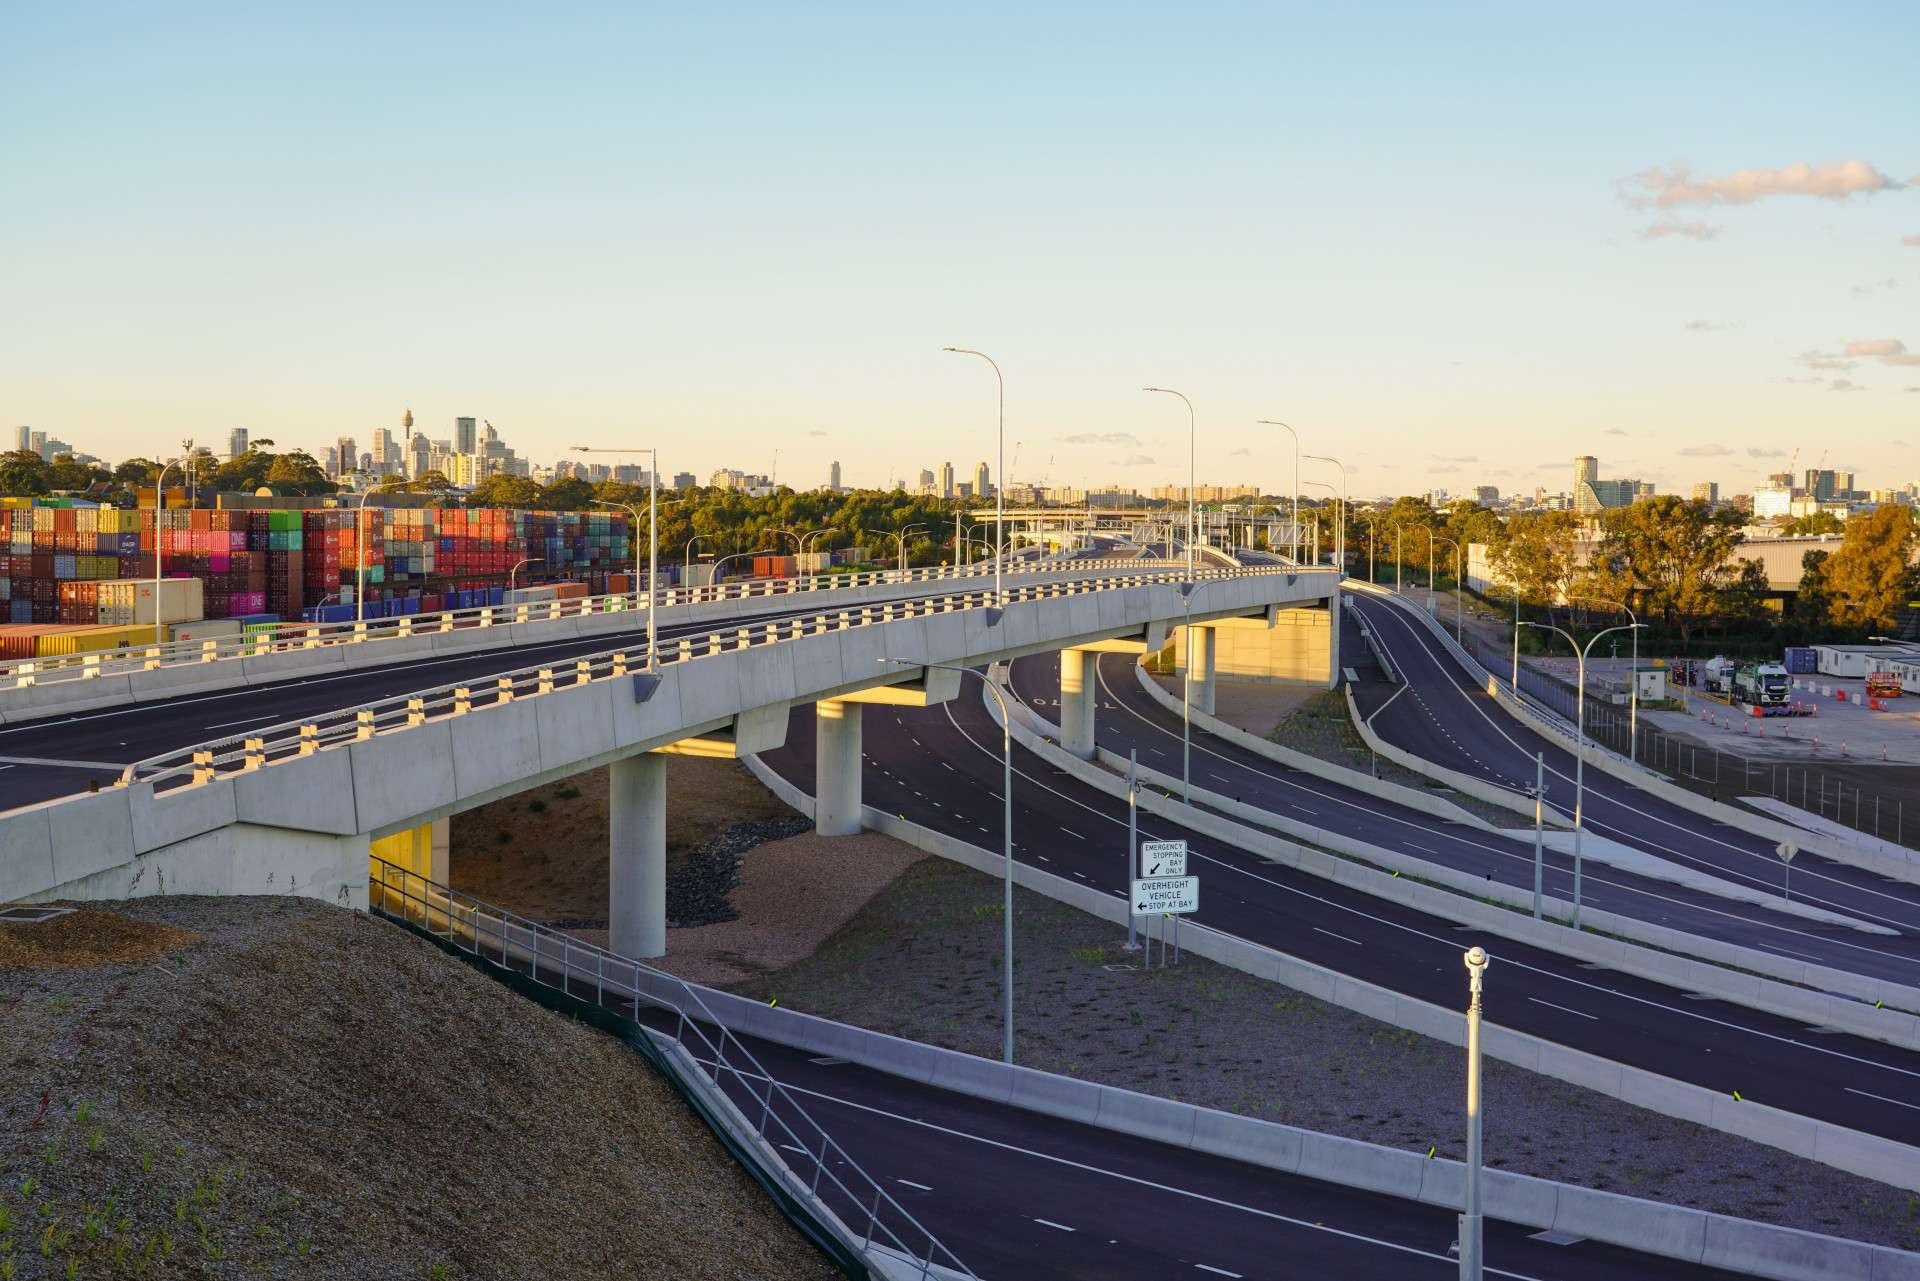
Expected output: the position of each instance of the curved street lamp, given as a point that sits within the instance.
(1000, 474)
(1193, 525)
(1633, 683)
(1580, 741)
(1274, 422)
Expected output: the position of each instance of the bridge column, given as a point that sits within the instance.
(836, 766)
(1200, 668)
(1077, 701)
(637, 856)
(440, 851)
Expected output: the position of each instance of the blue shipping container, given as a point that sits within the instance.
(1801, 661)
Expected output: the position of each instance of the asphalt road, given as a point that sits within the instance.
(46, 759)
(1444, 717)
(940, 767)
(1018, 1195)
(1130, 719)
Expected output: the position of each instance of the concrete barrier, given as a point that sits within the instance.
(1411, 797)
(1903, 865)
(1676, 1232)
(1820, 994)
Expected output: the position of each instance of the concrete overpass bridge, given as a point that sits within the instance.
(300, 806)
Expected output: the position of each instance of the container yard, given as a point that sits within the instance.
(75, 579)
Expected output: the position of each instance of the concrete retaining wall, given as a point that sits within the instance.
(1828, 997)
(1757, 1249)
(1903, 865)
(1411, 797)
(1467, 785)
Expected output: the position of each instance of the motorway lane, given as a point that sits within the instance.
(1017, 1195)
(1444, 717)
(126, 734)
(1129, 718)
(940, 767)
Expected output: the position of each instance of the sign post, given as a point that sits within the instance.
(1165, 896)
(1786, 850)
(1133, 834)
(1163, 858)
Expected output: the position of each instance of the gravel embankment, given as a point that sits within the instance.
(922, 960)
(290, 1090)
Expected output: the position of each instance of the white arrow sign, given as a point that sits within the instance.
(1174, 895)
(1163, 858)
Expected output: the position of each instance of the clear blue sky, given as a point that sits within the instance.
(1408, 229)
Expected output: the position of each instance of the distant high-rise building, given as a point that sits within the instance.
(833, 477)
(1586, 470)
(385, 452)
(926, 481)
(1592, 495)
(684, 480)
(1820, 484)
(236, 442)
(347, 455)
(464, 439)
(26, 439)
(1707, 491)
(419, 455)
(1780, 480)
(946, 480)
(981, 486)
(1486, 495)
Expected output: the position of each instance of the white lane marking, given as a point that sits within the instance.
(1049, 1223)
(909, 1183)
(948, 768)
(1136, 1180)
(993, 753)
(1563, 1009)
(1075, 835)
(1882, 1098)
(1343, 938)
(1219, 1272)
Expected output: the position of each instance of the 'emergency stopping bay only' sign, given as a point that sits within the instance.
(1157, 895)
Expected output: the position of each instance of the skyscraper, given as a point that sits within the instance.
(946, 480)
(926, 481)
(26, 438)
(833, 476)
(463, 436)
(236, 442)
(1708, 492)
(347, 455)
(385, 454)
(419, 455)
(981, 489)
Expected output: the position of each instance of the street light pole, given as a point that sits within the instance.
(1633, 683)
(1579, 744)
(1340, 527)
(1006, 833)
(360, 556)
(524, 560)
(653, 541)
(1471, 1239)
(999, 492)
(1274, 422)
(1193, 521)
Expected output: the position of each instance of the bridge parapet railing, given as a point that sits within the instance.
(268, 745)
(291, 637)
(796, 1149)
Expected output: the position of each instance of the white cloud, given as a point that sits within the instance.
(1844, 384)
(1712, 326)
(1705, 451)
(1136, 460)
(1618, 431)
(1861, 291)
(1676, 187)
(1766, 453)
(1689, 230)
(1101, 438)
(1463, 458)
(1823, 360)
(817, 432)
(1888, 351)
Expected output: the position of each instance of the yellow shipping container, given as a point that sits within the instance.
(88, 640)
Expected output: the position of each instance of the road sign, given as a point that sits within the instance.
(1174, 895)
(1163, 858)
(1786, 850)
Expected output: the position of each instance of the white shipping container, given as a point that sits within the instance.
(125, 601)
(530, 595)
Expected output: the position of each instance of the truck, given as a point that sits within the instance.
(1765, 686)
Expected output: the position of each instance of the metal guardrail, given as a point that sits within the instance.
(292, 637)
(289, 740)
(558, 960)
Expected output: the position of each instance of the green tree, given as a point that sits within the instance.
(567, 494)
(1813, 603)
(297, 472)
(1671, 554)
(23, 471)
(69, 476)
(1814, 523)
(1538, 556)
(136, 471)
(502, 490)
(1871, 578)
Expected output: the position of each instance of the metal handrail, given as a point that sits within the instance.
(289, 740)
(292, 637)
(521, 937)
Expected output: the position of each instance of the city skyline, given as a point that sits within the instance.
(1573, 272)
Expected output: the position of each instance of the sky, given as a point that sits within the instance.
(1450, 245)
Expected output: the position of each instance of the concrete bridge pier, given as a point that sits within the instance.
(637, 880)
(1078, 701)
(836, 790)
(1203, 677)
